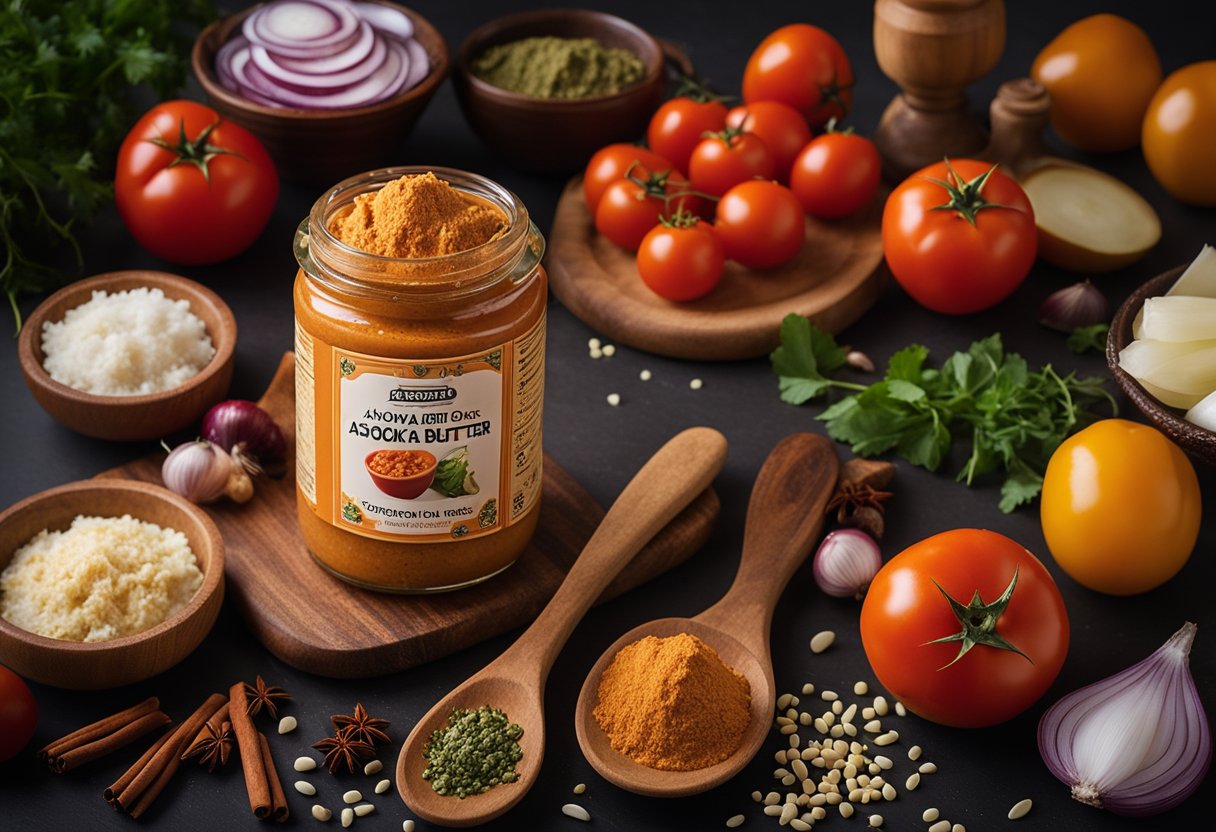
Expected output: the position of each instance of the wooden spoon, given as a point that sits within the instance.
(515, 681)
(784, 519)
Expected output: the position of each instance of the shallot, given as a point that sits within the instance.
(197, 470)
(1136, 743)
(845, 563)
(249, 433)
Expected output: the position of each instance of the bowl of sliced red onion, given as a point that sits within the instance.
(331, 87)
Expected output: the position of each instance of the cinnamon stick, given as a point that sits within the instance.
(146, 724)
(256, 782)
(96, 730)
(151, 778)
(111, 793)
(216, 722)
(278, 800)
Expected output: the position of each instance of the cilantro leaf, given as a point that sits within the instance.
(805, 354)
(1088, 338)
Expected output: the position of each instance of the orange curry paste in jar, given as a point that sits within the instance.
(420, 371)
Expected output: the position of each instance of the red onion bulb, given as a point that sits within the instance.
(238, 422)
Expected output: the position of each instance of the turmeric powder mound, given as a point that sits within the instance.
(673, 704)
(418, 216)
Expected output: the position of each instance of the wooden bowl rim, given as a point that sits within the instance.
(213, 572)
(224, 340)
(653, 61)
(202, 62)
(1195, 438)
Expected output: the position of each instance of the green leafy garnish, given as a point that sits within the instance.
(68, 73)
(451, 472)
(1088, 338)
(1014, 417)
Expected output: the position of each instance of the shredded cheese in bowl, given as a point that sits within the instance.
(100, 579)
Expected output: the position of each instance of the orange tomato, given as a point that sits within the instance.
(1120, 507)
(1178, 130)
(1101, 72)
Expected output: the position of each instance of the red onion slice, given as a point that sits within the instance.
(387, 19)
(381, 84)
(298, 27)
(223, 62)
(319, 84)
(355, 54)
(420, 64)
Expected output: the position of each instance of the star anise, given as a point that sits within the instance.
(213, 749)
(262, 695)
(344, 749)
(363, 726)
(859, 506)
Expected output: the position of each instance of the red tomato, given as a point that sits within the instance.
(781, 127)
(905, 618)
(191, 187)
(722, 161)
(805, 67)
(613, 162)
(18, 714)
(681, 262)
(628, 210)
(679, 124)
(836, 174)
(945, 261)
(760, 223)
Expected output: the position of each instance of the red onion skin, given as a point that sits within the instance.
(869, 561)
(1169, 786)
(237, 420)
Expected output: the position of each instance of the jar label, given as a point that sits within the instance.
(430, 450)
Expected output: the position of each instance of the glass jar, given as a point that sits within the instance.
(419, 392)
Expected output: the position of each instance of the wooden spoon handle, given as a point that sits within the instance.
(784, 518)
(668, 482)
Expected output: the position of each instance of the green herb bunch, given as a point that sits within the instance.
(67, 73)
(1013, 417)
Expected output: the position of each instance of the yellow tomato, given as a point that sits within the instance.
(1101, 72)
(1178, 131)
(1120, 507)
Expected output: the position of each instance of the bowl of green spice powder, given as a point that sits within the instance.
(545, 89)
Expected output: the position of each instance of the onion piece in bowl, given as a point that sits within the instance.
(302, 28)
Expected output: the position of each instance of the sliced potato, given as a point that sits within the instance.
(1179, 318)
(1089, 221)
(1199, 279)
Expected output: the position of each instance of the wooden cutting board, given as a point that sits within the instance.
(322, 625)
(836, 277)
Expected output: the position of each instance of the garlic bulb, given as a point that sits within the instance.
(845, 563)
(197, 470)
(1081, 304)
(1136, 743)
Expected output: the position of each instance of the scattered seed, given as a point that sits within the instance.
(407, 826)
(609, 350)
(374, 767)
(837, 707)
(874, 726)
(614, 399)
(788, 729)
(819, 813)
(364, 809)
(771, 799)
(846, 810)
(940, 826)
(645, 375)
(867, 712)
(352, 796)
(849, 713)
(822, 641)
(696, 384)
(383, 786)
(930, 815)
(886, 739)
(304, 764)
(888, 792)
(800, 825)
(829, 696)
(880, 706)
(305, 788)
(958, 827)
(884, 763)
(789, 780)
(287, 724)
(914, 753)
(1020, 809)
(348, 817)
(594, 343)
(756, 796)
(808, 689)
(321, 813)
(805, 719)
(900, 710)
(735, 821)
(928, 768)
(772, 811)
(573, 810)
(913, 781)
(596, 353)
(783, 702)
(875, 821)
(788, 812)
(800, 770)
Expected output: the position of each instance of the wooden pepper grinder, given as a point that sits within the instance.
(933, 49)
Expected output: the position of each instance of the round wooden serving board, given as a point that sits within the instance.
(834, 279)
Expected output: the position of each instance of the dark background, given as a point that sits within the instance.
(982, 772)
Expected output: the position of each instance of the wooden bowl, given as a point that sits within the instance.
(131, 418)
(120, 661)
(1196, 441)
(324, 146)
(557, 135)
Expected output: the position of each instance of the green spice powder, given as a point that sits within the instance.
(475, 752)
(551, 67)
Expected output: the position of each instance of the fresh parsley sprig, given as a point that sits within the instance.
(1013, 417)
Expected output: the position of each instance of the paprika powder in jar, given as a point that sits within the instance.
(420, 367)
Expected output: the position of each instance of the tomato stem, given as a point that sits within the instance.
(698, 91)
(194, 152)
(978, 621)
(966, 196)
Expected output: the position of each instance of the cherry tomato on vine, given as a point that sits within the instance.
(913, 633)
(836, 175)
(612, 163)
(682, 260)
(721, 161)
(629, 207)
(781, 127)
(680, 123)
(805, 67)
(191, 187)
(18, 714)
(1121, 507)
(760, 223)
(967, 258)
